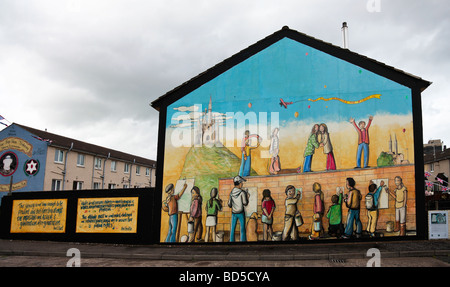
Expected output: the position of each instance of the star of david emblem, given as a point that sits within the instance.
(31, 167)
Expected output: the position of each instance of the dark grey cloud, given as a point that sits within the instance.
(89, 69)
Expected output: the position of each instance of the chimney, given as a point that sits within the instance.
(345, 35)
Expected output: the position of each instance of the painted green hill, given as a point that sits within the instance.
(208, 164)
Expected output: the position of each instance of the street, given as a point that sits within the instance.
(45, 261)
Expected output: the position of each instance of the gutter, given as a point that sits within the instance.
(131, 172)
(65, 166)
(104, 167)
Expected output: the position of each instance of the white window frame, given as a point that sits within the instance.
(126, 168)
(80, 159)
(96, 185)
(138, 170)
(59, 156)
(147, 171)
(113, 165)
(97, 163)
(79, 185)
(56, 184)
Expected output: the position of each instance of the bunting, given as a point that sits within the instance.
(1, 119)
(432, 184)
(440, 184)
(41, 139)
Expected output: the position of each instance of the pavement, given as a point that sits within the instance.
(407, 253)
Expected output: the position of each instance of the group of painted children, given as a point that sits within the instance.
(239, 198)
(336, 228)
(195, 225)
(293, 218)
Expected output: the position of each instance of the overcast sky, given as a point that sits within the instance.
(89, 69)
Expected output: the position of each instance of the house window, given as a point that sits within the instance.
(98, 163)
(126, 168)
(80, 160)
(138, 170)
(59, 156)
(125, 186)
(56, 184)
(96, 185)
(432, 167)
(77, 185)
(147, 171)
(111, 186)
(113, 165)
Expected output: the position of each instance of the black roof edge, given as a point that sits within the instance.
(362, 61)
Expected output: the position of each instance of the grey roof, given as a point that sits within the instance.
(438, 156)
(84, 147)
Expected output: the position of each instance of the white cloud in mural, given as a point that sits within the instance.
(193, 108)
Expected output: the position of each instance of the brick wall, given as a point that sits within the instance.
(329, 181)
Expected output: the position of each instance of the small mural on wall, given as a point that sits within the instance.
(22, 159)
(291, 144)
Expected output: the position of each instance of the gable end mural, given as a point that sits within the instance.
(291, 143)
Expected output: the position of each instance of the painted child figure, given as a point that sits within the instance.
(334, 215)
(363, 141)
(274, 162)
(352, 201)
(290, 230)
(170, 205)
(400, 194)
(213, 206)
(318, 211)
(311, 145)
(239, 198)
(196, 214)
(327, 147)
(372, 207)
(246, 148)
(268, 207)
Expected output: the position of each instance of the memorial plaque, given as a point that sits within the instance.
(39, 216)
(107, 215)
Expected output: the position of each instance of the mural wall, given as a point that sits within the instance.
(22, 161)
(287, 145)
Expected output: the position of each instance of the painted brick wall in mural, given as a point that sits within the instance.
(290, 144)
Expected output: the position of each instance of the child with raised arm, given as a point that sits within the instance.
(363, 141)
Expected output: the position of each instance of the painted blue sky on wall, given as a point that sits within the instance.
(296, 73)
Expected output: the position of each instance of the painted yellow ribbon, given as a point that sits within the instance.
(347, 102)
